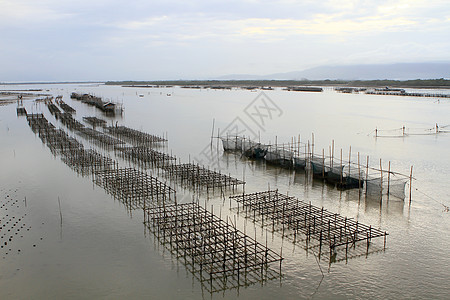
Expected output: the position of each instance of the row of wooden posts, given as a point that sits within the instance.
(300, 156)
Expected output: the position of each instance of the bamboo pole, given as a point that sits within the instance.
(332, 153)
(389, 178)
(309, 151)
(367, 171)
(323, 163)
(331, 161)
(410, 185)
(381, 180)
(359, 173)
(341, 167)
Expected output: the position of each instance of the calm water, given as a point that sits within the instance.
(102, 251)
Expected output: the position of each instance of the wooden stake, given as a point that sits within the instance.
(349, 159)
(60, 212)
(389, 178)
(367, 171)
(359, 173)
(212, 132)
(381, 180)
(410, 185)
(341, 166)
(323, 163)
(332, 153)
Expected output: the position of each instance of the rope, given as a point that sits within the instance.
(446, 208)
(371, 132)
(408, 131)
(395, 129)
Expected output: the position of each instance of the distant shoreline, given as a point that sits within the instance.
(419, 83)
(52, 82)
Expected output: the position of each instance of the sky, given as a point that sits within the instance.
(88, 40)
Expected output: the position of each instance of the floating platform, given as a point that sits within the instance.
(400, 92)
(304, 89)
(105, 106)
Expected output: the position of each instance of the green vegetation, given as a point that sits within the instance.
(443, 83)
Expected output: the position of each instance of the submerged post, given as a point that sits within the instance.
(212, 132)
(323, 163)
(410, 185)
(349, 159)
(359, 173)
(332, 152)
(367, 171)
(389, 178)
(381, 180)
(341, 167)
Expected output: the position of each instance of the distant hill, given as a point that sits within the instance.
(398, 71)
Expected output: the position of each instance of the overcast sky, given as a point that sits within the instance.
(65, 40)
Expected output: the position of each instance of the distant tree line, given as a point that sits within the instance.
(283, 83)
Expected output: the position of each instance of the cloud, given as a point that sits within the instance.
(22, 13)
(265, 29)
(143, 24)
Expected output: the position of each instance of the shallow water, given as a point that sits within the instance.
(100, 249)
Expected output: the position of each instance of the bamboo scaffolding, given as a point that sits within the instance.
(99, 138)
(135, 137)
(94, 121)
(134, 188)
(214, 251)
(68, 148)
(67, 120)
(197, 176)
(145, 156)
(292, 217)
(64, 106)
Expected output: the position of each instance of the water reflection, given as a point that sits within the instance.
(392, 270)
